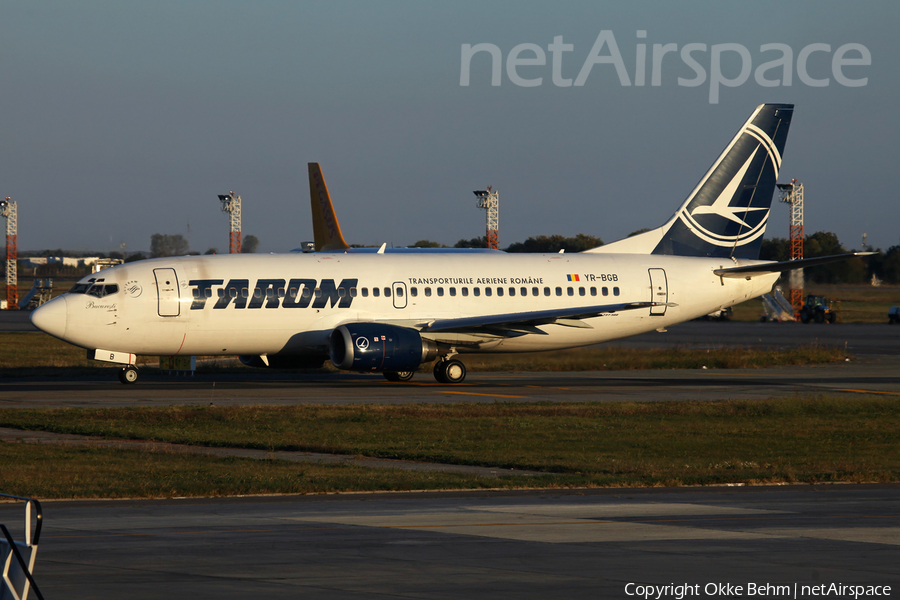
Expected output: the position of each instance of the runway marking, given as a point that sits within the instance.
(477, 394)
(867, 391)
(544, 387)
(432, 384)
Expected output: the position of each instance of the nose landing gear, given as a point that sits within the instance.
(128, 374)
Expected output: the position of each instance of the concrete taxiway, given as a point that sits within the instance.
(529, 544)
(866, 374)
(525, 544)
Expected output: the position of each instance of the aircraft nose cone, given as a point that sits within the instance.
(51, 317)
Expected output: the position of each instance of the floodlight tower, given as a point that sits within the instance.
(489, 200)
(792, 193)
(232, 205)
(8, 209)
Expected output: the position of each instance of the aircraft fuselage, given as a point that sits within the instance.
(290, 303)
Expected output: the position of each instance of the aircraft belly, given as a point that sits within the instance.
(255, 332)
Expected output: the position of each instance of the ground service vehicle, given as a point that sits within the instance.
(818, 309)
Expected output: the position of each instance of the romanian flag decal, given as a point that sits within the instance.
(573, 277)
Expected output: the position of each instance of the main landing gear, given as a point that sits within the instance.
(449, 371)
(398, 375)
(445, 371)
(128, 374)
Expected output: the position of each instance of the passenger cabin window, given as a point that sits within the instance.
(399, 292)
(465, 291)
(376, 292)
(387, 292)
(546, 291)
(412, 292)
(440, 291)
(615, 291)
(487, 291)
(476, 291)
(534, 291)
(570, 291)
(593, 291)
(428, 292)
(559, 291)
(581, 291)
(353, 292)
(365, 292)
(499, 291)
(606, 291)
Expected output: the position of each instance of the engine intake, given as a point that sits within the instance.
(375, 347)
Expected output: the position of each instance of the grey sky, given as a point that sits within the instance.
(124, 119)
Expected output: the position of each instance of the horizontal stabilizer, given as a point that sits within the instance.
(786, 265)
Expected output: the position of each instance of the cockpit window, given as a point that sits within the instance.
(80, 288)
(99, 290)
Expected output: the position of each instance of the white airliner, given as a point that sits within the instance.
(390, 312)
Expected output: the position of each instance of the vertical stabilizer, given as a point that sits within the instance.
(326, 229)
(726, 213)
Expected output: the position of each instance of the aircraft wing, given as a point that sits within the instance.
(527, 322)
(786, 265)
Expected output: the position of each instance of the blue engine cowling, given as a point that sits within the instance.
(375, 347)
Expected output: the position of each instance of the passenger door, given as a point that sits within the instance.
(659, 291)
(167, 289)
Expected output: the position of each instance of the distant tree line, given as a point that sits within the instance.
(162, 244)
(885, 265)
(541, 243)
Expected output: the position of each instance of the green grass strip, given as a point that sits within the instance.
(821, 439)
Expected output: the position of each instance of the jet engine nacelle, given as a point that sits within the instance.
(376, 347)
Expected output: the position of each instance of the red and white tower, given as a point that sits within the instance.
(792, 193)
(489, 200)
(8, 209)
(232, 205)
